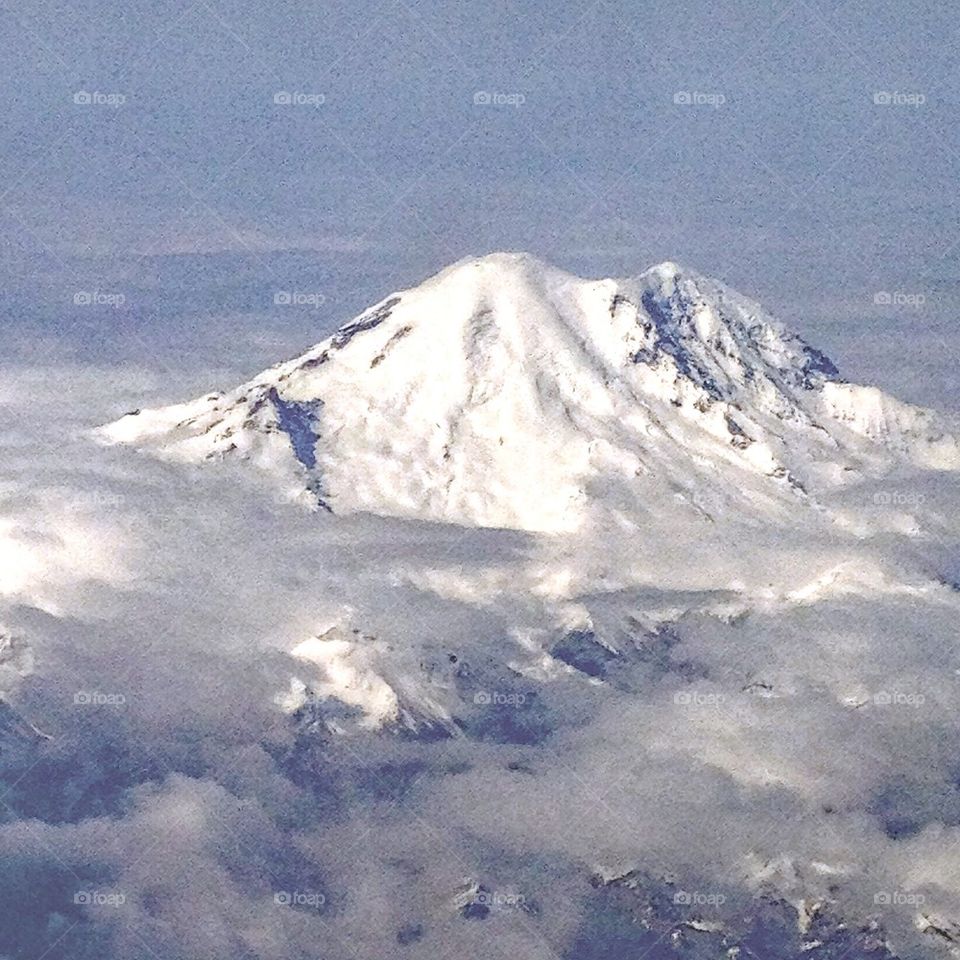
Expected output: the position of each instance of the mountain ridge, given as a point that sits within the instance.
(504, 392)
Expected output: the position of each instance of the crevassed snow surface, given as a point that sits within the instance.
(505, 393)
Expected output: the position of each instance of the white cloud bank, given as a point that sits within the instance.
(731, 714)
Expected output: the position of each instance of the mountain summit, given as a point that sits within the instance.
(504, 392)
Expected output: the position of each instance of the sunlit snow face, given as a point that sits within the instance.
(505, 393)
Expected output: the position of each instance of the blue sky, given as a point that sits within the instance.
(184, 186)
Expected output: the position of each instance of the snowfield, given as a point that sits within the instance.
(505, 393)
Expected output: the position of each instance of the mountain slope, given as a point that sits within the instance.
(503, 392)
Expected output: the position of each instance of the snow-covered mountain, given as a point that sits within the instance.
(503, 392)
(701, 700)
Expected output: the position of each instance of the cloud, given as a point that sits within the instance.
(740, 740)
